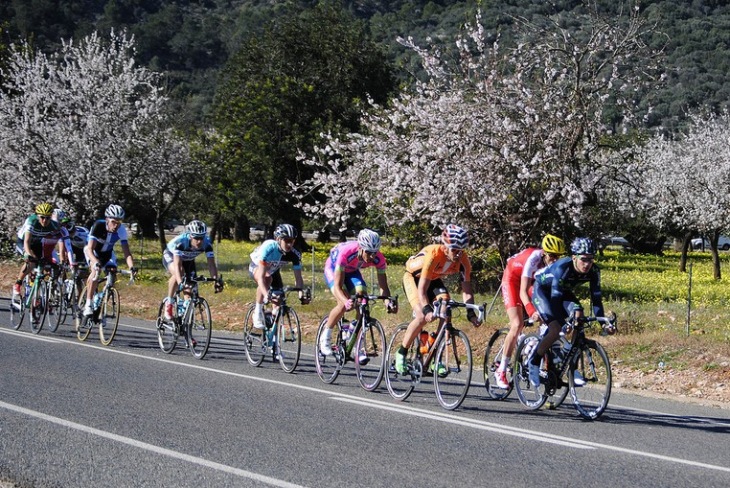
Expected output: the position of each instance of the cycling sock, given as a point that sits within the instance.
(536, 359)
(402, 350)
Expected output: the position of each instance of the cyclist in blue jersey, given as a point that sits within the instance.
(77, 235)
(179, 260)
(266, 260)
(99, 250)
(553, 296)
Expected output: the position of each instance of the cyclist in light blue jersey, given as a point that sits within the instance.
(179, 259)
(266, 260)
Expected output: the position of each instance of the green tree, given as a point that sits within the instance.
(306, 74)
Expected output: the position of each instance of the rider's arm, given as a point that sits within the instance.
(258, 276)
(212, 268)
(127, 254)
(596, 297)
(90, 256)
(468, 296)
(26, 244)
(339, 280)
(176, 268)
(525, 285)
(298, 281)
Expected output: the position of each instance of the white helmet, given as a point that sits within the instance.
(368, 240)
(114, 212)
(196, 228)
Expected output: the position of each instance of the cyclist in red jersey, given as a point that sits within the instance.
(517, 280)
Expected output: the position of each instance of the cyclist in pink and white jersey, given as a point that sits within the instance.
(517, 280)
(343, 277)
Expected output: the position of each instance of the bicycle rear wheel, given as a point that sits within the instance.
(592, 397)
(199, 328)
(289, 340)
(167, 330)
(109, 316)
(17, 308)
(560, 394)
(82, 323)
(492, 359)
(400, 386)
(329, 367)
(531, 397)
(454, 354)
(369, 355)
(253, 340)
(56, 310)
(38, 306)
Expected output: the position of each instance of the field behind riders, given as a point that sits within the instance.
(653, 350)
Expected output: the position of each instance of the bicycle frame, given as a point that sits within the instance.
(363, 304)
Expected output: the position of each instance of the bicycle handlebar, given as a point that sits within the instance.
(451, 303)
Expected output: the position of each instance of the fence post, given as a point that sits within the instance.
(689, 302)
(312, 272)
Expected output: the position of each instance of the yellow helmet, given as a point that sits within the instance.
(553, 245)
(44, 209)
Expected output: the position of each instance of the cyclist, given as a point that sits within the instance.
(266, 260)
(65, 243)
(422, 284)
(179, 260)
(99, 249)
(555, 301)
(77, 234)
(343, 277)
(37, 238)
(517, 280)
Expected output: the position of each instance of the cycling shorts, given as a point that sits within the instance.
(353, 282)
(436, 290)
(551, 310)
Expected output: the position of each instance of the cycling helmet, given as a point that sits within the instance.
(114, 212)
(44, 209)
(553, 245)
(285, 231)
(196, 228)
(454, 237)
(368, 240)
(583, 245)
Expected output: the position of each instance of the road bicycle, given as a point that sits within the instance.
(71, 286)
(282, 337)
(33, 297)
(192, 318)
(447, 356)
(493, 358)
(105, 306)
(581, 364)
(362, 339)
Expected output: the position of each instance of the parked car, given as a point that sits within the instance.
(723, 243)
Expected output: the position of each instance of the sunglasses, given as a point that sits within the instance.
(44, 217)
(554, 256)
(371, 253)
(289, 240)
(586, 259)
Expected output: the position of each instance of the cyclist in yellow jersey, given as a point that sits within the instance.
(422, 283)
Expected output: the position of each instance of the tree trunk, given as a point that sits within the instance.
(241, 229)
(715, 236)
(161, 229)
(686, 242)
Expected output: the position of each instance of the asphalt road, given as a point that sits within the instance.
(78, 414)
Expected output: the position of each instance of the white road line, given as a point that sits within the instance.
(151, 447)
(450, 417)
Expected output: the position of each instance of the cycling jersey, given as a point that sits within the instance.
(43, 240)
(105, 240)
(181, 246)
(345, 257)
(271, 257)
(431, 263)
(523, 264)
(78, 239)
(553, 290)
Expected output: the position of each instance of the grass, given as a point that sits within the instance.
(648, 293)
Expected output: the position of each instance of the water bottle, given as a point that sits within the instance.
(347, 329)
(97, 299)
(565, 350)
(423, 340)
(269, 319)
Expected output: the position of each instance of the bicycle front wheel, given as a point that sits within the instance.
(200, 328)
(369, 355)
(56, 310)
(329, 367)
(531, 397)
(38, 306)
(591, 387)
(401, 385)
(167, 330)
(109, 316)
(82, 323)
(253, 340)
(492, 360)
(17, 308)
(452, 373)
(289, 340)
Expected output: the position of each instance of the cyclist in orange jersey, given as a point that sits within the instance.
(422, 283)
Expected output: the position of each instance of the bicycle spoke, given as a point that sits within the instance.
(492, 360)
(399, 385)
(17, 307)
(83, 324)
(328, 367)
(452, 370)
(253, 340)
(109, 316)
(289, 340)
(200, 328)
(592, 390)
(369, 355)
(531, 397)
(37, 307)
(167, 330)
